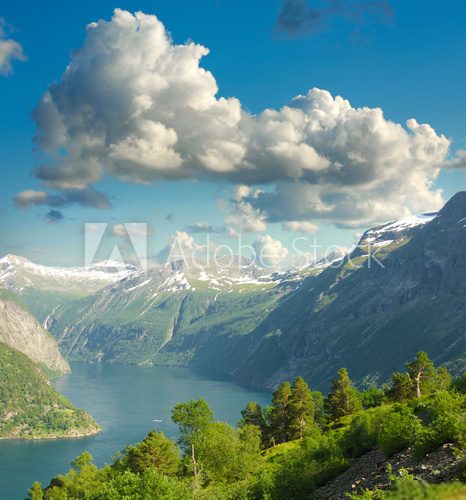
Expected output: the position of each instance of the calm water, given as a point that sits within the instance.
(125, 401)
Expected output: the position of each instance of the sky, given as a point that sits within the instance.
(268, 119)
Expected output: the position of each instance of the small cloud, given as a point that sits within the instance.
(458, 161)
(54, 216)
(204, 227)
(181, 246)
(269, 252)
(137, 230)
(300, 227)
(243, 217)
(297, 17)
(10, 50)
(87, 197)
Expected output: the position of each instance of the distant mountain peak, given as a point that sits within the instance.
(455, 207)
(391, 231)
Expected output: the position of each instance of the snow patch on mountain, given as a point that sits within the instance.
(387, 233)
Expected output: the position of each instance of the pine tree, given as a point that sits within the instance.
(401, 387)
(343, 398)
(252, 415)
(302, 408)
(422, 373)
(280, 414)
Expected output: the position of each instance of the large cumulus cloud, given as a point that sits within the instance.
(134, 105)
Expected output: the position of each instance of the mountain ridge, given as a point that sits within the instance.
(400, 289)
(20, 330)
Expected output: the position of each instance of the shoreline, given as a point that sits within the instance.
(52, 437)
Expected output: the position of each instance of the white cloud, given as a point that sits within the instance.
(243, 217)
(86, 197)
(135, 229)
(300, 226)
(30, 197)
(132, 104)
(269, 252)
(181, 246)
(9, 50)
(459, 160)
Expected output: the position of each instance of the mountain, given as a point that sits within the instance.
(367, 317)
(19, 329)
(43, 288)
(401, 290)
(163, 315)
(30, 408)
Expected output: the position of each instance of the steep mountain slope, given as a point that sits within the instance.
(403, 289)
(368, 317)
(30, 408)
(162, 316)
(43, 288)
(19, 329)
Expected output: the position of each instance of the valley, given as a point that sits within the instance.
(400, 288)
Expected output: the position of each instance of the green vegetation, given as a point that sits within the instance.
(30, 408)
(290, 449)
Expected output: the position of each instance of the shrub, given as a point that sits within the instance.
(362, 434)
(445, 417)
(372, 397)
(398, 430)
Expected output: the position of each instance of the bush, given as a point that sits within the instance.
(362, 434)
(398, 430)
(445, 417)
(372, 397)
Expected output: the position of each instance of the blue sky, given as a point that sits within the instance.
(411, 65)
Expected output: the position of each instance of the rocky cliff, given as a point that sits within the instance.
(19, 329)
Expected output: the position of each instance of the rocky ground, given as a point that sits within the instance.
(370, 471)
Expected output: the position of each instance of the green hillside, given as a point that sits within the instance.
(405, 441)
(30, 408)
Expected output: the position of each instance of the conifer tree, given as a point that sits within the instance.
(343, 398)
(422, 373)
(301, 408)
(401, 387)
(280, 413)
(252, 415)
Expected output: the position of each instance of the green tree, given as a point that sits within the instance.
(226, 455)
(443, 379)
(459, 384)
(319, 408)
(371, 397)
(280, 414)
(301, 408)
(422, 373)
(156, 451)
(252, 415)
(401, 387)
(36, 492)
(343, 398)
(192, 418)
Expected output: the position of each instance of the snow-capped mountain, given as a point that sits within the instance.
(42, 288)
(230, 316)
(388, 233)
(16, 270)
